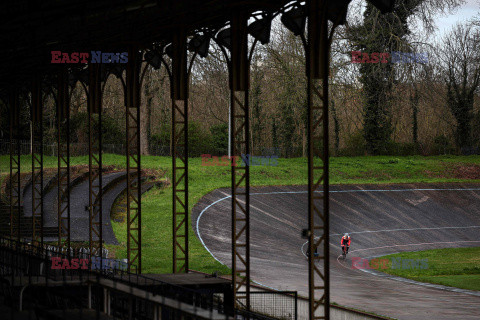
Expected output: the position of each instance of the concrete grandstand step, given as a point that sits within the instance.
(49, 181)
(113, 185)
(25, 178)
(79, 201)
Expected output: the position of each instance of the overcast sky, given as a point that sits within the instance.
(467, 11)
(445, 22)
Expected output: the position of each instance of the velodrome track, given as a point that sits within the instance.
(380, 219)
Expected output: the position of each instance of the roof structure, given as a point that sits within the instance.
(31, 29)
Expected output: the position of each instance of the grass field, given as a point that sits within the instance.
(459, 267)
(157, 203)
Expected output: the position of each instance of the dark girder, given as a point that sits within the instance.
(179, 84)
(95, 160)
(240, 145)
(37, 161)
(63, 144)
(317, 69)
(134, 182)
(14, 185)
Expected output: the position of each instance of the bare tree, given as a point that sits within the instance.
(460, 65)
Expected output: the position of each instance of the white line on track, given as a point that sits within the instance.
(405, 280)
(358, 232)
(198, 230)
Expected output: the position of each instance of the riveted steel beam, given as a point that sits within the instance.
(37, 162)
(95, 160)
(179, 94)
(318, 159)
(134, 183)
(63, 144)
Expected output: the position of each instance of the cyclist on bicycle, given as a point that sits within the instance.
(345, 242)
(315, 254)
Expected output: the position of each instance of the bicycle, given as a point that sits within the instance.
(344, 252)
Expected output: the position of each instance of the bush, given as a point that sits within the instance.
(200, 140)
(162, 138)
(400, 148)
(355, 145)
(219, 134)
(112, 131)
(442, 145)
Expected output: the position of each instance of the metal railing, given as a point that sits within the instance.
(25, 263)
(274, 304)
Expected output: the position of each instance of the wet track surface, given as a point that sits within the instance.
(380, 219)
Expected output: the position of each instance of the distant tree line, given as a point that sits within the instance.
(375, 108)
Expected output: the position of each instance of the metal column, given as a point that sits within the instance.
(134, 184)
(63, 144)
(37, 162)
(179, 91)
(240, 142)
(14, 186)
(95, 160)
(318, 159)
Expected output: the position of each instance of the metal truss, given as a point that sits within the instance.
(180, 185)
(134, 183)
(240, 145)
(63, 143)
(37, 162)
(180, 153)
(318, 160)
(318, 202)
(14, 185)
(240, 198)
(95, 160)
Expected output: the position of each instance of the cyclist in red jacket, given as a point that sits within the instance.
(345, 242)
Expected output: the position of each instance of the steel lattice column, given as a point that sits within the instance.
(95, 160)
(180, 152)
(318, 159)
(14, 186)
(240, 144)
(37, 162)
(134, 184)
(63, 143)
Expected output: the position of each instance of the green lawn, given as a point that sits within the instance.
(458, 267)
(156, 204)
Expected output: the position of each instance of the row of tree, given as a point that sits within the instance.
(375, 108)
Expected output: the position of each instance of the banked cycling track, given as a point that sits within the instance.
(380, 219)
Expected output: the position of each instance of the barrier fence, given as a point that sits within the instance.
(276, 304)
(264, 298)
(81, 149)
(25, 265)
